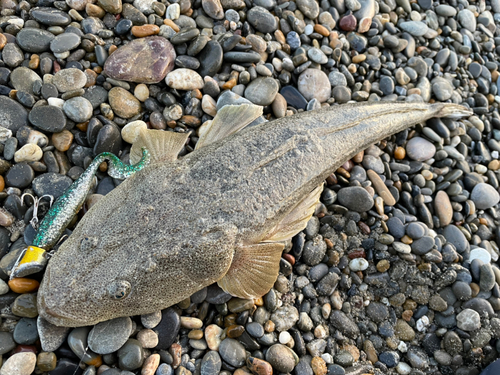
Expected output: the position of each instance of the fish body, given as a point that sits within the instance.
(219, 214)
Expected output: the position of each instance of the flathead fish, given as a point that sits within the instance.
(219, 214)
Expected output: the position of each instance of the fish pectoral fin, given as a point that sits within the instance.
(162, 145)
(296, 220)
(253, 271)
(228, 120)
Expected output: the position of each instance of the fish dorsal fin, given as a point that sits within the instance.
(228, 120)
(296, 220)
(162, 145)
(253, 271)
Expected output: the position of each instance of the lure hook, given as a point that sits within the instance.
(36, 203)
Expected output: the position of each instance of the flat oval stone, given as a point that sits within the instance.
(108, 337)
(167, 329)
(210, 59)
(108, 140)
(184, 79)
(232, 352)
(78, 109)
(262, 19)
(314, 83)
(50, 16)
(48, 118)
(69, 79)
(50, 183)
(262, 91)
(143, 60)
(34, 40)
(420, 149)
(131, 355)
(484, 196)
(123, 103)
(12, 114)
(65, 42)
(211, 363)
(444, 210)
(19, 364)
(355, 198)
(23, 79)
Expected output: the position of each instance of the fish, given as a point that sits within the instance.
(220, 214)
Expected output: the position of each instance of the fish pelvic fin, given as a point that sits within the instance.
(228, 120)
(296, 220)
(253, 271)
(162, 145)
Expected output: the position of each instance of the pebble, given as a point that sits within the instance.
(281, 358)
(355, 198)
(13, 114)
(468, 320)
(27, 153)
(19, 364)
(211, 363)
(143, 60)
(420, 149)
(262, 91)
(131, 355)
(131, 131)
(48, 118)
(484, 196)
(232, 352)
(184, 79)
(78, 109)
(107, 337)
(123, 103)
(314, 84)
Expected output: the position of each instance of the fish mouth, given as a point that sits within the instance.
(51, 311)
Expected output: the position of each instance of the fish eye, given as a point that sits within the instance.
(119, 289)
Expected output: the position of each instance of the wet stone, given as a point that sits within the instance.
(23, 79)
(25, 306)
(48, 118)
(34, 40)
(12, 114)
(262, 19)
(262, 91)
(456, 237)
(50, 183)
(108, 337)
(344, 324)
(355, 198)
(108, 140)
(50, 16)
(65, 42)
(232, 352)
(25, 332)
(131, 355)
(20, 176)
(281, 358)
(78, 109)
(167, 329)
(211, 363)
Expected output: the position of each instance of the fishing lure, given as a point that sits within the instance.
(64, 209)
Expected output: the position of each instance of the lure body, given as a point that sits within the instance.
(219, 214)
(66, 207)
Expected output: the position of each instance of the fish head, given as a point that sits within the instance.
(81, 286)
(93, 279)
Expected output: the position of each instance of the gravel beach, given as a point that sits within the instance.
(396, 273)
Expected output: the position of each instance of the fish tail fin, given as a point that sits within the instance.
(453, 111)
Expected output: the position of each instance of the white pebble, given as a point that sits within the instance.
(403, 368)
(481, 254)
(56, 102)
(481, 169)
(358, 264)
(131, 131)
(62, 55)
(285, 337)
(327, 357)
(422, 323)
(5, 134)
(173, 12)
(494, 154)
(402, 347)
(309, 29)
(29, 152)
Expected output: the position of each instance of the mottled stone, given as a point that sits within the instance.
(144, 60)
(123, 103)
(313, 83)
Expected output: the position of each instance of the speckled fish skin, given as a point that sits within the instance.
(172, 228)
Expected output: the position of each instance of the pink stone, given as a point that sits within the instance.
(144, 60)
